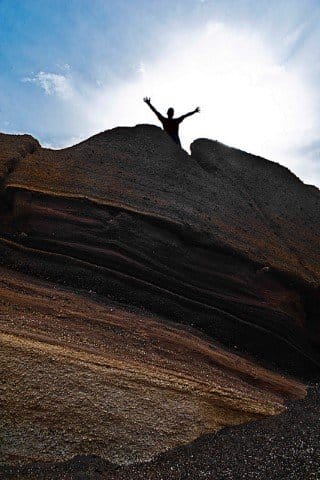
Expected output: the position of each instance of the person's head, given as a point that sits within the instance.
(170, 112)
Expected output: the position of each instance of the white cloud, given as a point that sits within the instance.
(141, 68)
(52, 84)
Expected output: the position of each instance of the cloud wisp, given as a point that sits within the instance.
(52, 84)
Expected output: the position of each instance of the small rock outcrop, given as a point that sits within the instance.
(148, 295)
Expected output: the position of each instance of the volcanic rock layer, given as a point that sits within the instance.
(135, 279)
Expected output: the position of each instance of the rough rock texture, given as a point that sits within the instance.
(286, 447)
(221, 240)
(86, 378)
(135, 278)
(234, 200)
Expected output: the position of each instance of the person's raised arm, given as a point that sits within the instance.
(148, 102)
(196, 110)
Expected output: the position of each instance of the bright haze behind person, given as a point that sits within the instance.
(170, 124)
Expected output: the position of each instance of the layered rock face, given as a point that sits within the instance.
(86, 378)
(137, 279)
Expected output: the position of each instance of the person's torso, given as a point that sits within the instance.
(171, 125)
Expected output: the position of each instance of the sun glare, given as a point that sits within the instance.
(247, 98)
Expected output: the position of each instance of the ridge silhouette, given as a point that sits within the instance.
(170, 124)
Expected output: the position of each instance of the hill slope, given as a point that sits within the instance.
(135, 278)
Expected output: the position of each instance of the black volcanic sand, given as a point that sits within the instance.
(286, 447)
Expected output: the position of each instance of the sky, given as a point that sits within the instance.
(72, 68)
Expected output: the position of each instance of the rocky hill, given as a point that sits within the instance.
(149, 296)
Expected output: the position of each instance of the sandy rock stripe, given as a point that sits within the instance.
(84, 377)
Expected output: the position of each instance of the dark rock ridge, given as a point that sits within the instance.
(145, 290)
(221, 240)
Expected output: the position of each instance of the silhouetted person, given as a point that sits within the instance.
(170, 124)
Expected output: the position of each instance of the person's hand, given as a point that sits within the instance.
(197, 110)
(147, 100)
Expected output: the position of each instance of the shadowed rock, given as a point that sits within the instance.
(173, 246)
(129, 213)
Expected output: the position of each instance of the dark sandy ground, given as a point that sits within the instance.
(286, 447)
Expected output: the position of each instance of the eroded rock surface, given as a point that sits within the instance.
(133, 276)
(96, 379)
